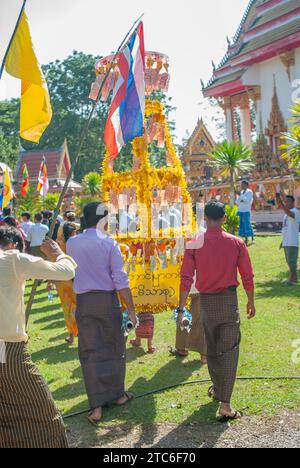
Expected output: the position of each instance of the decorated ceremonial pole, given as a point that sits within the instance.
(77, 156)
(12, 38)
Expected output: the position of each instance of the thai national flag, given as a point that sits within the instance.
(126, 116)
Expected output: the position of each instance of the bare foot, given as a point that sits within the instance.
(226, 412)
(126, 398)
(135, 343)
(95, 416)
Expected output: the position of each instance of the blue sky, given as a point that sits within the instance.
(192, 33)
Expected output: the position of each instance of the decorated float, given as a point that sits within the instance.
(150, 207)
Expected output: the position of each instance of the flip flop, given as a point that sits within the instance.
(174, 352)
(129, 396)
(226, 419)
(152, 350)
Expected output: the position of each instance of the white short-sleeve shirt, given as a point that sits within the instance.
(290, 231)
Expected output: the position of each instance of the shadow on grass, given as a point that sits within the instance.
(135, 353)
(275, 288)
(141, 412)
(56, 355)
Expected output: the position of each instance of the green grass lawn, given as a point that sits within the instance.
(266, 350)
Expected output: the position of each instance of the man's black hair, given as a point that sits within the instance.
(26, 214)
(10, 221)
(68, 230)
(93, 213)
(7, 211)
(291, 197)
(10, 235)
(38, 217)
(215, 211)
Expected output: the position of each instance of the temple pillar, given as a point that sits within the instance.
(246, 125)
(227, 107)
(256, 97)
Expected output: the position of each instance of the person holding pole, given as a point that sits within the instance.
(28, 416)
(290, 236)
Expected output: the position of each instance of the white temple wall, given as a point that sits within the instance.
(296, 94)
(262, 74)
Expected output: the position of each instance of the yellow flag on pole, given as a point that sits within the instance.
(7, 190)
(21, 62)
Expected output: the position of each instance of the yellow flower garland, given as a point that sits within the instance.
(145, 179)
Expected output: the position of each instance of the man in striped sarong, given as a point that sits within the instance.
(28, 416)
(216, 257)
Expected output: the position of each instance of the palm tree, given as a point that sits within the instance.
(291, 146)
(231, 159)
(91, 184)
(295, 110)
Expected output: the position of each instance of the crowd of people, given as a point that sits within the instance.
(86, 265)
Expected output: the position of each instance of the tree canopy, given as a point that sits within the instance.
(69, 84)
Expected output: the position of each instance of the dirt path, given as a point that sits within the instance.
(256, 432)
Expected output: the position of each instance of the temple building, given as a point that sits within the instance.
(195, 157)
(256, 84)
(58, 166)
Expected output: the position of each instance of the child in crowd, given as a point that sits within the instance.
(145, 331)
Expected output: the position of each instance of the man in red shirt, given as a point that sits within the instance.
(216, 257)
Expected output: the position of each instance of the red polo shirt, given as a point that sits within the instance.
(216, 257)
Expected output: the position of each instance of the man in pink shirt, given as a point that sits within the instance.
(217, 257)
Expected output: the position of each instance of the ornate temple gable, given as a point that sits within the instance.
(196, 155)
(268, 29)
(200, 144)
(263, 156)
(276, 124)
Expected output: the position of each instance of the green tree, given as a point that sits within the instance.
(32, 202)
(291, 145)
(69, 83)
(9, 138)
(231, 159)
(91, 184)
(8, 153)
(50, 201)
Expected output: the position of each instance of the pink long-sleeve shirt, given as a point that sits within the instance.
(216, 257)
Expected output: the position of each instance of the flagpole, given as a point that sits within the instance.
(12, 38)
(77, 156)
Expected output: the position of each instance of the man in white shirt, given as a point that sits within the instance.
(26, 224)
(28, 417)
(36, 235)
(245, 202)
(290, 236)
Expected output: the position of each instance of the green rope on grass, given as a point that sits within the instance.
(182, 384)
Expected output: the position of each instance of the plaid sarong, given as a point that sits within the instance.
(28, 417)
(102, 346)
(221, 321)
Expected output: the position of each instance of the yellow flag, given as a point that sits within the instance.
(21, 62)
(7, 191)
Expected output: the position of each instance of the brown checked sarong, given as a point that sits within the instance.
(101, 346)
(221, 320)
(195, 340)
(28, 417)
